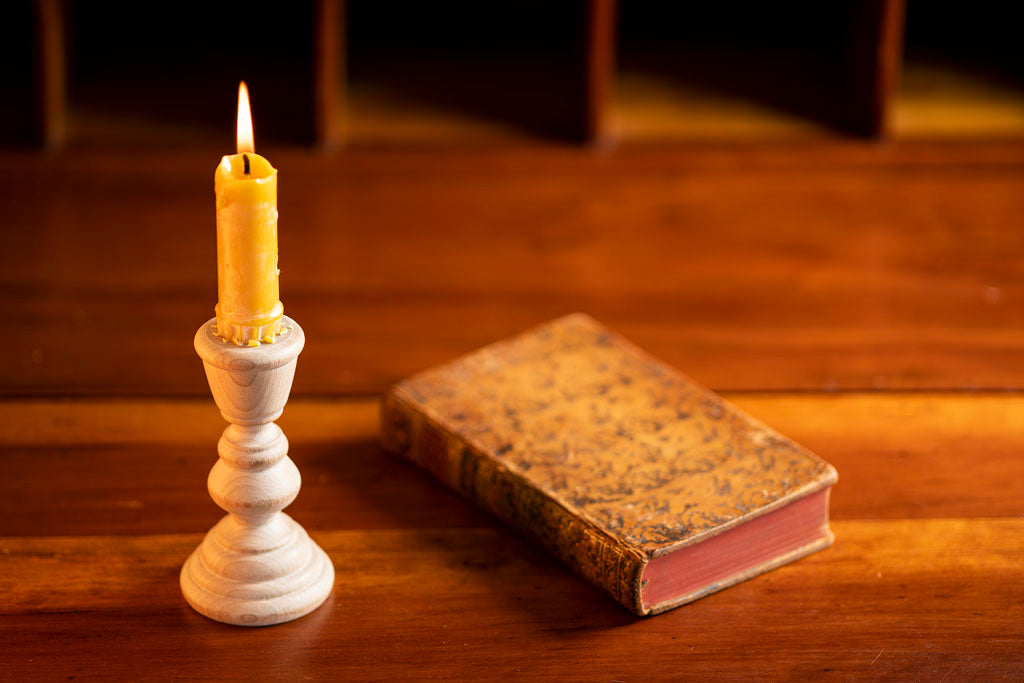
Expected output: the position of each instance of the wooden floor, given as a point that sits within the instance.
(866, 300)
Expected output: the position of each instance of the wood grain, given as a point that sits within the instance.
(870, 294)
(122, 467)
(827, 266)
(893, 597)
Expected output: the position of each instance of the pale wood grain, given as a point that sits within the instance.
(257, 566)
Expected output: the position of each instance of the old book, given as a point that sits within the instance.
(644, 482)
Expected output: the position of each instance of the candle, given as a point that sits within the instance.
(248, 307)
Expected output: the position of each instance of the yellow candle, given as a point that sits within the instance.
(248, 308)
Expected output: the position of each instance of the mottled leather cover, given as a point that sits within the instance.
(602, 453)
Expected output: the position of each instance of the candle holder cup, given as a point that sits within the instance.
(257, 566)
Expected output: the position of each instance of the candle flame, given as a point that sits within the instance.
(243, 136)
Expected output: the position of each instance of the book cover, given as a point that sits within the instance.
(645, 483)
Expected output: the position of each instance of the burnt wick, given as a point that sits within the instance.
(245, 163)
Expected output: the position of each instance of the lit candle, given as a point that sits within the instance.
(248, 308)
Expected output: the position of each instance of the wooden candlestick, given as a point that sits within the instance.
(257, 566)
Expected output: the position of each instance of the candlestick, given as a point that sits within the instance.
(257, 566)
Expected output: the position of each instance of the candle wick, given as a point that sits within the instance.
(245, 163)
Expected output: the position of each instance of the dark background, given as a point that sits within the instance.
(457, 73)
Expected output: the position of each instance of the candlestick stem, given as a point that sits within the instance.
(257, 566)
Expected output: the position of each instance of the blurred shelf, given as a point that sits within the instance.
(649, 109)
(963, 72)
(939, 100)
(378, 116)
(459, 73)
(678, 95)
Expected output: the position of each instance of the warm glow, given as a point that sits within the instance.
(244, 134)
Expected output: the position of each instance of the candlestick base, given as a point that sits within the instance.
(231, 579)
(257, 566)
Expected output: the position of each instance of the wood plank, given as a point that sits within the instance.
(827, 266)
(889, 63)
(878, 30)
(124, 467)
(600, 67)
(51, 72)
(921, 599)
(329, 81)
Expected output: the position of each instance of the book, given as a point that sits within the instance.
(645, 483)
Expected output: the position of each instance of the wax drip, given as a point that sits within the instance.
(245, 163)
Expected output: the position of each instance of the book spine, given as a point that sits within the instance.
(483, 478)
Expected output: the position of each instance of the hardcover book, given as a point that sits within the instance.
(645, 483)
